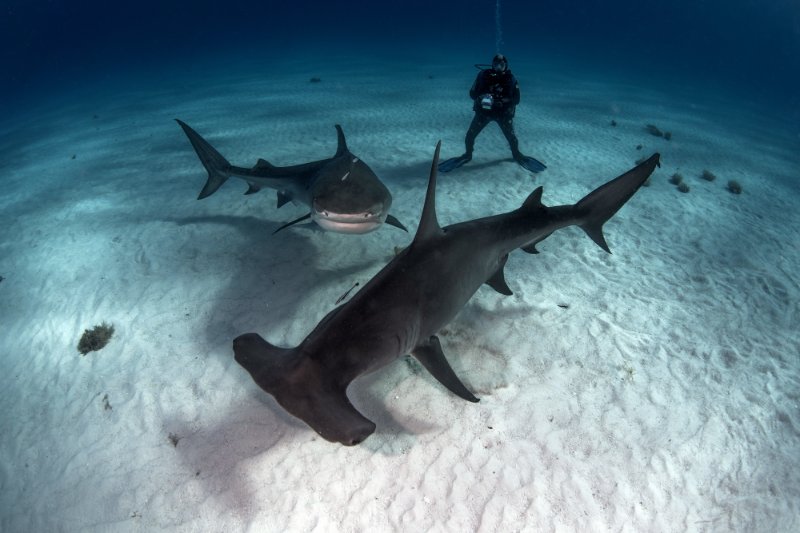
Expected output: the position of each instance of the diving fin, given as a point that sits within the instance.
(454, 162)
(529, 163)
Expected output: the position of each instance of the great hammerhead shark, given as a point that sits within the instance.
(400, 310)
(344, 194)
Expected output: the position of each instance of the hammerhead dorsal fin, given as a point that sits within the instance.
(431, 356)
(428, 224)
(341, 147)
(534, 199)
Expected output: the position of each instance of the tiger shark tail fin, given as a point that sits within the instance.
(215, 164)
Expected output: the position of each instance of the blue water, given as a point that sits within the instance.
(693, 318)
(749, 48)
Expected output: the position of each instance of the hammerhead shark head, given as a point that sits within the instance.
(344, 194)
(400, 310)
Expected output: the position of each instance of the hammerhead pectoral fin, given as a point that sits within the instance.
(293, 222)
(498, 279)
(433, 359)
(392, 221)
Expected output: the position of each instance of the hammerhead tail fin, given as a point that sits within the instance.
(216, 165)
(303, 388)
(602, 203)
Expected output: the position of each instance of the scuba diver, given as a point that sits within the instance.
(496, 95)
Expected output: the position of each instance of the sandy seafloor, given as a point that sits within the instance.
(654, 389)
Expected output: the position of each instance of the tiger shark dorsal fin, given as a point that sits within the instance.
(341, 147)
(428, 224)
(263, 164)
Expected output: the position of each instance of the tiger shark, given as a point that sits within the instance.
(400, 310)
(344, 195)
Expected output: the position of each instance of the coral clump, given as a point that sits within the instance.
(682, 187)
(735, 187)
(676, 179)
(708, 175)
(96, 338)
(653, 130)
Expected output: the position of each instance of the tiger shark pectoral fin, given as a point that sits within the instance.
(392, 221)
(293, 222)
(432, 358)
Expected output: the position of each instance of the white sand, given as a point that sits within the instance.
(666, 397)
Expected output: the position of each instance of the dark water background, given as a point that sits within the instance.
(748, 47)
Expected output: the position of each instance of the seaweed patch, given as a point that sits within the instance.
(96, 338)
(656, 132)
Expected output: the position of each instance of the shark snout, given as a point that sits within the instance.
(348, 221)
(357, 434)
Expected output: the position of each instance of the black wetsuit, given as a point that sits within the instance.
(495, 95)
(504, 90)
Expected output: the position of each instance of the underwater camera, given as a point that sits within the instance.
(487, 101)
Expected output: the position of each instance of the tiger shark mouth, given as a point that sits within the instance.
(355, 223)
